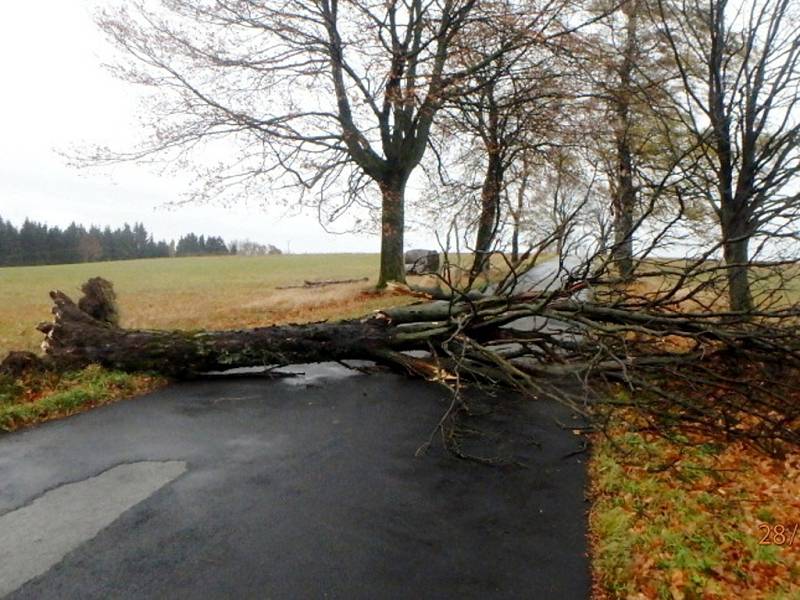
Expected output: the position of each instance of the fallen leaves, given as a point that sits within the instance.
(682, 521)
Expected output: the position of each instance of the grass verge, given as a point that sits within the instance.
(697, 519)
(42, 397)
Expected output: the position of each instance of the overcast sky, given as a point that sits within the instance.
(55, 95)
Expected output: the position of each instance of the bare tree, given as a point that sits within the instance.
(509, 122)
(508, 109)
(624, 200)
(563, 201)
(321, 95)
(517, 207)
(740, 74)
(625, 74)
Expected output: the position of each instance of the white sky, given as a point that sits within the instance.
(54, 95)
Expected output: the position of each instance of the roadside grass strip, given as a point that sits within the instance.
(48, 396)
(694, 519)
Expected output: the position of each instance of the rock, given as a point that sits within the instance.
(419, 262)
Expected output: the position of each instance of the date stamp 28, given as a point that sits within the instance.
(778, 535)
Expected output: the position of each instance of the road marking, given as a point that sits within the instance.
(35, 537)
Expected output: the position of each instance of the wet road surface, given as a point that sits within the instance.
(298, 488)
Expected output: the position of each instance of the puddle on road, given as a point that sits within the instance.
(35, 537)
(316, 373)
(305, 373)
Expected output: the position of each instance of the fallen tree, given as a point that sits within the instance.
(733, 375)
(323, 283)
(75, 339)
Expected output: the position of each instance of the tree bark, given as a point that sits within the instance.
(76, 339)
(732, 212)
(624, 200)
(737, 263)
(392, 229)
(490, 213)
(516, 213)
(515, 243)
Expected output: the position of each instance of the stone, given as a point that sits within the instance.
(419, 262)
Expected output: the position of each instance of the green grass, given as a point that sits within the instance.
(47, 396)
(682, 522)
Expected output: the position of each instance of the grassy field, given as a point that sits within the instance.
(193, 293)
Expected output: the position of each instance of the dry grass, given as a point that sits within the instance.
(687, 298)
(242, 307)
(774, 287)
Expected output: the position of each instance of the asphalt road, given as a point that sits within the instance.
(549, 276)
(302, 488)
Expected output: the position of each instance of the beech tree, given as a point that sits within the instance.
(739, 70)
(622, 97)
(562, 202)
(627, 68)
(503, 113)
(509, 108)
(325, 96)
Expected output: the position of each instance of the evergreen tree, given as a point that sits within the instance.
(37, 244)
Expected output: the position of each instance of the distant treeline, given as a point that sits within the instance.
(37, 244)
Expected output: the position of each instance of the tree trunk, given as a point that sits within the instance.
(624, 202)
(625, 193)
(515, 243)
(490, 213)
(736, 241)
(560, 241)
(516, 214)
(462, 337)
(76, 339)
(392, 229)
